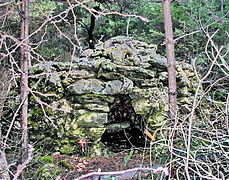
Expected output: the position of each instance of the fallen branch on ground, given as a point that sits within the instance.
(125, 174)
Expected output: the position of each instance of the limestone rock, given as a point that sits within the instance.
(97, 107)
(121, 84)
(86, 87)
(118, 87)
(92, 119)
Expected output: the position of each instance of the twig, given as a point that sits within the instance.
(200, 30)
(157, 169)
(98, 13)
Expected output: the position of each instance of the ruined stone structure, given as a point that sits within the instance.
(110, 94)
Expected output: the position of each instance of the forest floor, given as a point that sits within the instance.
(72, 167)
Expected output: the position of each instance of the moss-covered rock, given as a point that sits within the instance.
(48, 171)
(46, 168)
(85, 102)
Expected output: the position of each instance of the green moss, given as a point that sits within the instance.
(48, 171)
(67, 149)
(68, 81)
(35, 69)
(92, 95)
(90, 98)
(64, 141)
(158, 119)
(60, 90)
(91, 119)
(65, 164)
(141, 106)
(45, 160)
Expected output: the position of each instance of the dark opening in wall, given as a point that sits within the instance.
(124, 128)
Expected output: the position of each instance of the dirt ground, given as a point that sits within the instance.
(75, 167)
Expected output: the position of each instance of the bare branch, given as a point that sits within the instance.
(127, 174)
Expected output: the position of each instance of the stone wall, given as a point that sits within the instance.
(116, 88)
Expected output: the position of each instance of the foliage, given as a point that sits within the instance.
(187, 18)
(43, 8)
(46, 168)
(48, 43)
(128, 158)
(65, 164)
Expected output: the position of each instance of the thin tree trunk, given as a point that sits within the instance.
(170, 59)
(25, 55)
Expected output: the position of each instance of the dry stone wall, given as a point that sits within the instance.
(120, 84)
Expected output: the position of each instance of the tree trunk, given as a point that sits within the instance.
(170, 59)
(25, 55)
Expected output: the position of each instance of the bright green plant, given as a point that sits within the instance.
(128, 157)
(48, 171)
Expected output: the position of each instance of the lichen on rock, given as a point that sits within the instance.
(116, 86)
